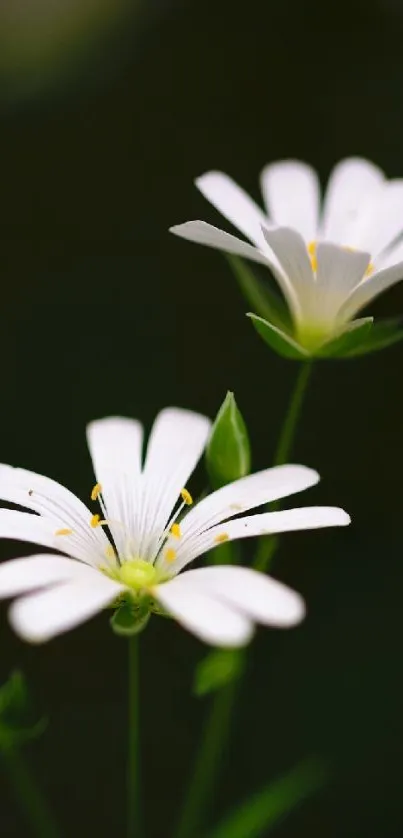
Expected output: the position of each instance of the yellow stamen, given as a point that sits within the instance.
(176, 531)
(170, 555)
(95, 521)
(64, 531)
(312, 248)
(312, 255)
(109, 552)
(186, 497)
(219, 539)
(96, 491)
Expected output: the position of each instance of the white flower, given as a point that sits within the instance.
(330, 260)
(148, 546)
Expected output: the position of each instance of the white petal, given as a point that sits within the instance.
(251, 593)
(176, 444)
(20, 576)
(115, 445)
(41, 616)
(390, 257)
(369, 289)
(59, 506)
(267, 523)
(290, 250)
(381, 222)
(234, 203)
(291, 192)
(202, 614)
(352, 183)
(339, 271)
(199, 231)
(24, 526)
(202, 233)
(248, 493)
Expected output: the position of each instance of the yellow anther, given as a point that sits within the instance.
(370, 270)
(109, 552)
(170, 555)
(186, 497)
(96, 491)
(176, 531)
(95, 521)
(64, 531)
(219, 539)
(312, 255)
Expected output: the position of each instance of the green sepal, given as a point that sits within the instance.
(218, 668)
(383, 334)
(228, 449)
(259, 295)
(348, 339)
(16, 723)
(130, 619)
(256, 817)
(278, 340)
(356, 338)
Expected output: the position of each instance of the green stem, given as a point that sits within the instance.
(217, 728)
(29, 795)
(287, 435)
(133, 765)
(268, 544)
(208, 761)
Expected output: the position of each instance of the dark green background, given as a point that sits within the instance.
(103, 312)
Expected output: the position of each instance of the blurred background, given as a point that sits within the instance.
(109, 109)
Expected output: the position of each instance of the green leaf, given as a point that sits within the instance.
(260, 297)
(228, 448)
(16, 714)
(262, 811)
(217, 669)
(383, 334)
(284, 345)
(349, 339)
(130, 619)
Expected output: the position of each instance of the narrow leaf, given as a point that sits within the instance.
(284, 345)
(260, 813)
(217, 668)
(228, 449)
(350, 338)
(17, 716)
(383, 334)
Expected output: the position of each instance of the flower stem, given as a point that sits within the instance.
(208, 762)
(217, 727)
(133, 765)
(29, 795)
(268, 544)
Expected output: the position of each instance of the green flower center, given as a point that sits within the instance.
(138, 574)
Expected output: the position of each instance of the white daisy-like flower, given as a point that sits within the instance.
(329, 260)
(151, 541)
